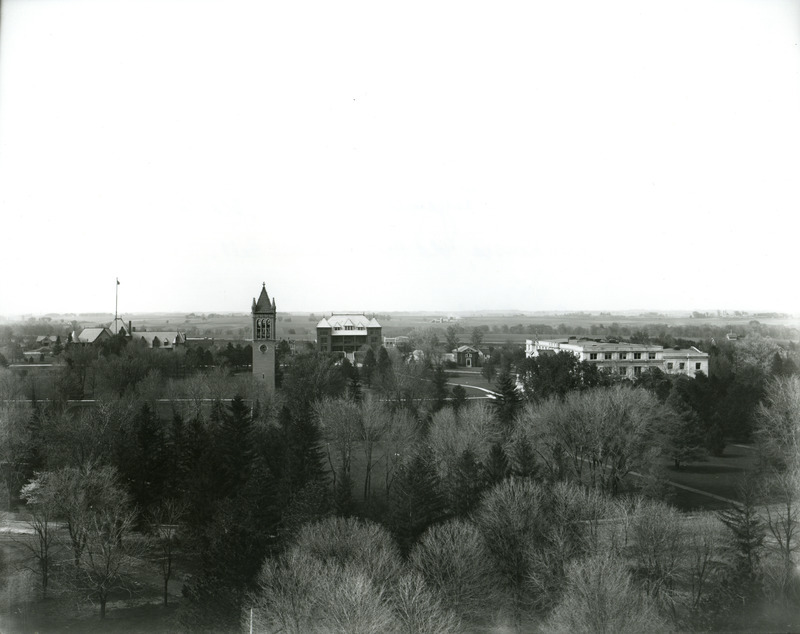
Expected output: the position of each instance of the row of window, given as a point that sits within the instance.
(637, 369)
(621, 355)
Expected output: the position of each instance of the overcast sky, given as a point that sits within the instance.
(399, 156)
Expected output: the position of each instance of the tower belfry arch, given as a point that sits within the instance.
(264, 313)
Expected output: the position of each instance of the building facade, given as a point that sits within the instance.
(468, 357)
(264, 315)
(347, 333)
(624, 359)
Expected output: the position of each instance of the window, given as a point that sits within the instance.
(348, 328)
(696, 366)
(637, 370)
(623, 371)
(681, 366)
(623, 355)
(637, 355)
(607, 355)
(261, 328)
(670, 365)
(593, 355)
(651, 355)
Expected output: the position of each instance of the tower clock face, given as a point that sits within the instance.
(263, 347)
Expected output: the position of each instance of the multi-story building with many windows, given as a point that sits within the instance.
(624, 359)
(348, 333)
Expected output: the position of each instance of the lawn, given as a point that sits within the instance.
(722, 476)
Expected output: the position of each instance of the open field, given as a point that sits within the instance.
(236, 326)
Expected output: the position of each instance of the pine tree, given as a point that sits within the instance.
(354, 387)
(508, 401)
(439, 381)
(747, 535)
(234, 443)
(368, 366)
(459, 398)
(467, 484)
(524, 459)
(416, 500)
(497, 467)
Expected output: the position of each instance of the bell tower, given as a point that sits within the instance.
(264, 341)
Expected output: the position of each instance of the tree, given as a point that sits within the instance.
(368, 366)
(508, 402)
(465, 484)
(556, 375)
(340, 423)
(745, 545)
(451, 336)
(497, 467)
(234, 443)
(602, 597)
(335, 576)
(682, 434)
(597, 436)
(439, 381)
(163, 524)
(98, 519)
(778, 425)
(108, 553)
(375, 420)
(477, 337)
(459, 398)
(42, 505)
(658, 545)
(416, 501)
(456, 564)
(511, 518)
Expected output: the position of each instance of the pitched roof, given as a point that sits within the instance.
(165, 338)
(90, 335)
(263, 305)
(353, 319)
(466, 349)
(323, 323)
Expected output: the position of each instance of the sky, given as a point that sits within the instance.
(403, 156)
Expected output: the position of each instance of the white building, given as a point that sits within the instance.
(624, 359)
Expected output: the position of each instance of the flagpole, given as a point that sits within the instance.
(116, 306)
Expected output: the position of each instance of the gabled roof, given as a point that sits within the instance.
(263, 305)
(165, 338)
(350, 319)
(90, 335)
(323, 323)
(466, 349)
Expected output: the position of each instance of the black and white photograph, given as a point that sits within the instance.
(399, 317)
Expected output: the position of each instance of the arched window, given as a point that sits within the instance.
(261, 330)
(267, 328)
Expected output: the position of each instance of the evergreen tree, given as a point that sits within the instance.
(234, 443)
(368, 366)
(508, 402)
(416, 500)
(439, 381)
(354, 387)
(497, 467)
(746, 545)
(524, 459)
(459, 398)
(467, 484)
(384, 366)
